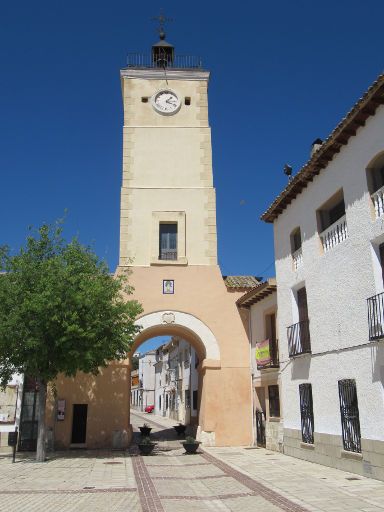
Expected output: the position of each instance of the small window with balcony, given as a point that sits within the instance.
(376, 302)
(297, 256)
(375, 181)
(299, 341)
(168, 241)
(331, 221)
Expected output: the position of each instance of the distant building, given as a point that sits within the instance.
(147, 379)
(10, 408)
(135, 386)
(176, 381)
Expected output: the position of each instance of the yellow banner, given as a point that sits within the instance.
(263, 354)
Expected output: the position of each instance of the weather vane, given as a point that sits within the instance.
(161, 19)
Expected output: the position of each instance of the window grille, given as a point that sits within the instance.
(274, 401)
(168, 242)
(349, 410)
(306, 411)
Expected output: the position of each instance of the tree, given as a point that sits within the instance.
(135, 363)
(61, 311)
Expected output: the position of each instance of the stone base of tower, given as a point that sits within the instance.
(203, 311)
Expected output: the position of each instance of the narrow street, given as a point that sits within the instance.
(216, 479)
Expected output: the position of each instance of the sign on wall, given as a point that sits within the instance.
(168, 286)
(60, 410)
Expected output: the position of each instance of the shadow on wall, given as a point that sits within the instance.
(324, 200)
(107, 413)
(377, 358)
(300, 368)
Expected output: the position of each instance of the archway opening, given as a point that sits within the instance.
(165, 379)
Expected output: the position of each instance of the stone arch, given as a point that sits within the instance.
(202, 339)
(185, 325)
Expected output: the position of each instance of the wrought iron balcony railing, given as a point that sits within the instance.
(376, 316)
(273, 360)
(144, 60)
(167, 254)
(299, 340)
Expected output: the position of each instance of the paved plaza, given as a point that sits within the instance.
(216, 479)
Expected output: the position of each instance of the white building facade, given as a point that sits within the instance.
(10, 409)
(261, 303)
(177, 382)
(328, 232)
(146, 379)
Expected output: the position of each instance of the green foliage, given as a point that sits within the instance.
(60, 309)
(190, 440)
(146, 440)
(135, 363)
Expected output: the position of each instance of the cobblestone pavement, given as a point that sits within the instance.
(216, 479)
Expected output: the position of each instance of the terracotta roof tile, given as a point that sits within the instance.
(240, 281)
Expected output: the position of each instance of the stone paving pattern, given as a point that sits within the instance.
(216, 479)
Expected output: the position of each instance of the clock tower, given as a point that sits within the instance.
(168, 204)
(168, 235)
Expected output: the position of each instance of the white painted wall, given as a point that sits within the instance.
(17, 380)
(338, 284)
(147, 376)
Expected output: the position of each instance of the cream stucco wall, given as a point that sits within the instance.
(107, 396)
(200, 293)
(167, 167)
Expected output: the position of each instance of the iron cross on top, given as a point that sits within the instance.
(161, 19)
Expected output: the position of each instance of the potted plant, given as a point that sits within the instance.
(190, 444)
(146, 446)
(180, 428)
(145, 430)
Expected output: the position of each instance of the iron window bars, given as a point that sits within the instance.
(349, 410)
(306, 411)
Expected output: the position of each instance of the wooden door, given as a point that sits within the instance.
(79, 423)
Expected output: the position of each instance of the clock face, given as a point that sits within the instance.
(166, 102)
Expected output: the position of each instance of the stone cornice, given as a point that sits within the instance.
(171, 74)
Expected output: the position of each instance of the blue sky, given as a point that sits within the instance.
(283, 74)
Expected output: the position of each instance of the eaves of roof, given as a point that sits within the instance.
(257, 294)
(365, 107)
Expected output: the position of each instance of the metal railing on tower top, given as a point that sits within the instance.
(147, 60)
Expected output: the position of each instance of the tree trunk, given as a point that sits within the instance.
(40, 451)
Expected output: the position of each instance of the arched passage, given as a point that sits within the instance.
(200, 337)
